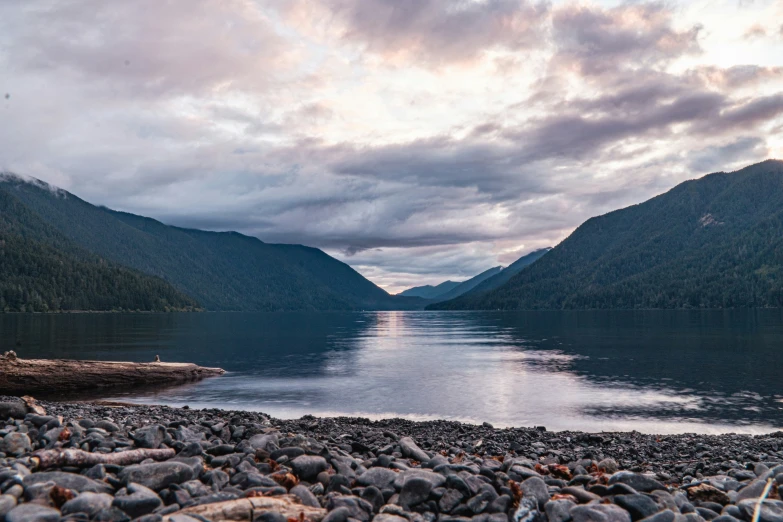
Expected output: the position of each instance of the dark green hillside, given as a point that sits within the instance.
(714, 242)
(41, 271)
(222, 271)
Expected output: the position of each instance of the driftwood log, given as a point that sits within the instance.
(21, 376)
(249, 508)
(84, 459)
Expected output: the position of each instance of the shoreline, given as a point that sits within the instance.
(390, 470)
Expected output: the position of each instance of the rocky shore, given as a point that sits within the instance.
(153, 463)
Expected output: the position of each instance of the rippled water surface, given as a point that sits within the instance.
(653, 371)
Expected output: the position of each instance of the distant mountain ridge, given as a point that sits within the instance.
(429, 291)
(470, 284)
(483, 282)
(219, 270)
(712, 242)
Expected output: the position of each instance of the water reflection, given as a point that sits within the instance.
(655, 371)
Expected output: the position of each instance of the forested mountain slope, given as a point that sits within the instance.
(713, 242)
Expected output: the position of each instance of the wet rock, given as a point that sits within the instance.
(662, 516)
(305, 496)
(411, 450)
(137, 501)
(450, 499)
(32, 513)
(378, 477)
(88, 503)
(608, 465)
(770, 511)
(752, 490)
(16, 444)
(149, 436)
(72, 481)
(414, 491)
(637, 481)
(157, 475)
(639, 506)
(307, 467)
(12, 410)
(559, 510)
(7, 503)
(536, 488)
(600, 513)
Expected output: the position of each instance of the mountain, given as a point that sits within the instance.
(42, 271)
(713, 242)
(503, 276)
(470, 284)
(220, 270)
(429, 291)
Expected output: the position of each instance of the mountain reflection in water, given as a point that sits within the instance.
(653, 371)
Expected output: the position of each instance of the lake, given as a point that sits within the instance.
(650, 371)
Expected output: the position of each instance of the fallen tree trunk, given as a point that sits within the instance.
(249, 508)
(23, 376)
(84, 459)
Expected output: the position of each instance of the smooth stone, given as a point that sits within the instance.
(140, 501)
(267, 441)
(72, 481)
(725, 518)
(527, 511)
(32, 513)
(157, 475)
(752, 490)
(482, 499)
(87, 502)
(12, 410)
(16, 444)
(600, 513)
(385, 517)
(111, 514)
(706, 514)
(608, 465)
(450, 499)
(305, 496)
(411, 450)
(502, 504)
(637, 481)
(771, 510)
(559, 510)
(639, 506)
(436, 479)
(373, 496)
(414, 491)
(378, 477)
(536, 488)
(149, 436)
(307, 467)
(7, 503)
(107, 425)
(290, 452)
(580, 494)
(662, 516)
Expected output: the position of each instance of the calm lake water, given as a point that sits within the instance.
(652, 371)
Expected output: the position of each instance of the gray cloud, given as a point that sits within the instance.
(440, 31)
(596, 41)
(226, 117)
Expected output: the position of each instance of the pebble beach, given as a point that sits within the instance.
(115, 462)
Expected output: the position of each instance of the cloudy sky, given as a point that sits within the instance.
(417, 140)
